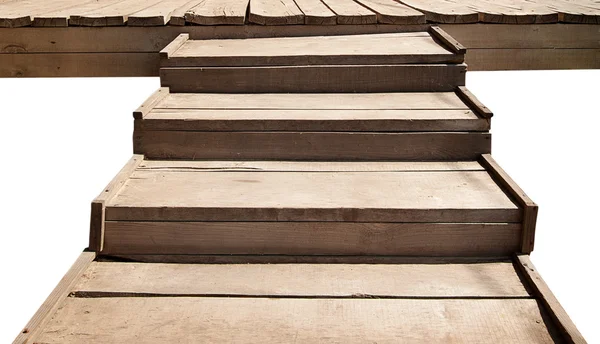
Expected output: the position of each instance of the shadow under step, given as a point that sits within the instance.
(411, 61)
(466, 208)
(319, 126)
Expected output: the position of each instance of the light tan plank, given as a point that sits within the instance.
(547, 298)
(461, 196)
(55, 299)
(59, 17)
(156, 15)
(149, 104)
(312, 166)
(115, 14)
(218, 12)
(340, 280)
(269, 12)
(393, 48)
(309, 79)
(312, 238)
(316, 13)
(312, 120)
(513, 12)
(262, 320)
(444, 11)
(350, 12)
(22, 12)
(288, 145)
(393, 12)
(178, 15)
(315, 101)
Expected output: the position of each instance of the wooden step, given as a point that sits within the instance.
(317, 208)
(413, 61)
(316, 126)
(458, 301)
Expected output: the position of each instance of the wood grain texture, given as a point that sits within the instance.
(39, 320)
(218, 12)
(530, 209)
(312, 238)
(448, 41)
(444, 11)
(269, 12)
(427, 196)
(316, 280)
(380, 78)
(545, 296)
(112, 14)
(289, 145)
(150, 103)
(158, 14)
(533, 59)
(262, 320)
(474, 104)
(349, 12)
(378, 49)
(98, 210)
(316, 12)
(393, 12)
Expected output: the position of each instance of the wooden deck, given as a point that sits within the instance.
(122, 37)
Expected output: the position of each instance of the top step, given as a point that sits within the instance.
(394, 62)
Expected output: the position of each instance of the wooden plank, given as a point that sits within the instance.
(218, 12)
(316, 13)
(473, 103)
(374, 78)
(530, 209)
(543, 293)
(21, 13)
(98, 213)
(444, 11)
(448, 41)
(115, 14)
(289, 145)
(155, 15)
(178, 14)
(312, 166)
(174, 45)
(150, 103)
(393, 12)
(513, 12)
(78, 64)
(447, 196)
(304, 280)
(378, 49)
(312, 120)
(312, 238)
(349, 12)
(39, 320)
(315, 101)
(268, 320)
(533, 59)
(268, 12)
(60, 16)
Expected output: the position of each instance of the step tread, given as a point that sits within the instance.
(414, 196)
(389, 48)
(493, 279)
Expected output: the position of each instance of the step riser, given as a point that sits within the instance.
(311, 145)
(311, 238)
(378, 78)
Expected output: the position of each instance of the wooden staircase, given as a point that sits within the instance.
(315, 190)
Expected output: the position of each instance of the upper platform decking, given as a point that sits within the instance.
(122, 37)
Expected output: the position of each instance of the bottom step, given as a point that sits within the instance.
(421, 300)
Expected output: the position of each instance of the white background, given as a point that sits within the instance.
(64, 139)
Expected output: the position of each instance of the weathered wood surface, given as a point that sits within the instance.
(426, 196)
(394, 48)
(217, 12)
(268, 320)
(312, 78)
(315, 280)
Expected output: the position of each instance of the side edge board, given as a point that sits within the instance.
(447, 40)
(98, 208)
(544, 295)
(530, 209)
(174, 45)
(472, 102)
(58, 295)
(149, 104)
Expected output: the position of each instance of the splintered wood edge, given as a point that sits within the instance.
(449, 41)
(149, 104)
(98, 204)
(55, 299)
(174, 45)
(472, 102)
(530, 209)
(544, 295)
